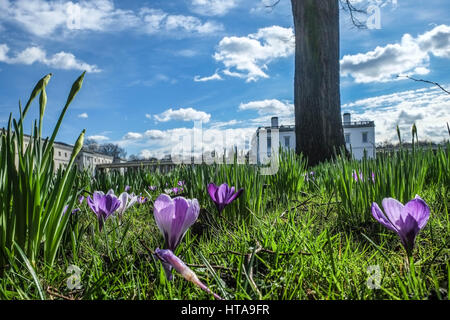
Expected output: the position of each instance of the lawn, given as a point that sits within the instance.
(301, 233)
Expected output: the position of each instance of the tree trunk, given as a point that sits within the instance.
(318, 124)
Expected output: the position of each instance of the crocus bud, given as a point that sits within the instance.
(169, 258)
(78, 144)
(75, 88)
(40, 85)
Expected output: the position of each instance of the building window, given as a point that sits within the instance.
(364, 137)
(347, 138)
(269, 143)
(287, 142)
(65, 154)
(59, 153)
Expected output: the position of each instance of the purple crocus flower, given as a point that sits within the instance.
(174, 217)
(80, 199)
(152, 188)
(355, 175)
(223, 195)
(142, 199)
(103, 205)
(74, 211)
(177, 190)
(373, 177)
(406, 220)
(181, 183)
(127, 188)
(167, 257)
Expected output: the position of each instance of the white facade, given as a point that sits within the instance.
(359, 138)
(89, 160)
(62, 153)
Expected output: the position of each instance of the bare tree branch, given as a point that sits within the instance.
(273, 4)
(426, 81)
(347, 6)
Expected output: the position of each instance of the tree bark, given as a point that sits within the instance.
(318, 124)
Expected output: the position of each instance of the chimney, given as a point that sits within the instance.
(347, 118)
(274, 121)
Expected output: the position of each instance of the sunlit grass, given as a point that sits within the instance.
(286, 237)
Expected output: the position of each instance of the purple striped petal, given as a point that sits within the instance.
(164, 211)
(381, 218)
(181, 208)
(419, 210)
(408, 233)
(235, 196)
(212, 188)
(393, 209)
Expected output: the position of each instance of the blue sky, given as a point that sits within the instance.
(155, 67)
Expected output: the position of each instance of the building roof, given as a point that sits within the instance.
(281, 128)
(96, 153)
(359, 124)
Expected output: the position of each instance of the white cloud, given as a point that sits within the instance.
(269, 107)
(157, 143)
(190, 24)
(213, 7)
(215, 76)
(148, 116)
(154, 134)
(83, 115)
(222, 124)
(429, 108)
(409, 57)
(46, 18)
(99, 138)
(183, 114)
(133, 136)
(247, 57)
(436, 41)
(60, 60)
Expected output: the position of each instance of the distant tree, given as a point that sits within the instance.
(133, 157)
(91, 145)
(113, 150)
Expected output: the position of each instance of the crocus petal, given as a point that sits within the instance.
(92, 204)
(408, 233)
(393, 209)
(235, 196)
(419, 210)
(190, 217)
(212, 188)
(132, 200)
(123, 203)
(381, 218)
(164, 210)
(181, 208)
(221, 193)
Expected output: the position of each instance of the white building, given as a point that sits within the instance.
(62, 152)
(89, 160)
(359, 137)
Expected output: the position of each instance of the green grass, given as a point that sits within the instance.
(267, 245)
(284, 238)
